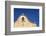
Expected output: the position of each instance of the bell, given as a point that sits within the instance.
(22, 18)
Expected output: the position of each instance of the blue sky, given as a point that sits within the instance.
(31, 14)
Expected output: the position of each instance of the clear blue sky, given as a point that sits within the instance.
(31, 14)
